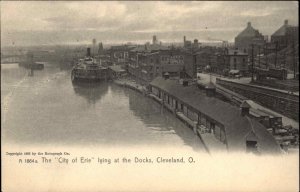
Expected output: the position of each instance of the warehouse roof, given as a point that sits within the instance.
(282, 30)
(236, 126)
(117, 68)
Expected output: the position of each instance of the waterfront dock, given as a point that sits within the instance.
(219, 130)
(130, 84)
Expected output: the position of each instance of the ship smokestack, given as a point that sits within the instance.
(88, 52)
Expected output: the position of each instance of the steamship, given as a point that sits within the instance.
(88, 69)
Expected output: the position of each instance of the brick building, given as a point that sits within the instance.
(212, 57)
(204, 58)
(247, 37)
(120, 54)
(236, 61)
(148, 65)
(286, 35)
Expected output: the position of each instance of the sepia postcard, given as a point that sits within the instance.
(149, 96)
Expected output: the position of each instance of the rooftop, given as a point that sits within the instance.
(249, 32)
(117, 68)
(236, 52)
(149, 48)
(237, 127)
(282, 30)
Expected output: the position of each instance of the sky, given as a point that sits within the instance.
(60, 22)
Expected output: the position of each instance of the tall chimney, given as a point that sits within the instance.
(286, 22)
(245, 108)
(249, 24)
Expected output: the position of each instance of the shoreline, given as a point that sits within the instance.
(131, 84)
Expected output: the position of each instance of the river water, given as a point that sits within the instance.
(47, 108)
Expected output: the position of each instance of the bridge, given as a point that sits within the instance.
(6, 59)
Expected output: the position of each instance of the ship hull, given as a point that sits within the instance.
(89, 76)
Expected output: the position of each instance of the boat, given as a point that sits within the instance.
(88, 69)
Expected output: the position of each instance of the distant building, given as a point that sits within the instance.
(148, 65)
(186, 44)
(100, 49)
(94, 47)
(154, 40)
(247, 37)
(236, 61)
(204, 57)
(120, 54)
(189, 45)
(196, 44)
(285, 35)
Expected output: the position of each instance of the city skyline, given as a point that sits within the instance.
(38, 23)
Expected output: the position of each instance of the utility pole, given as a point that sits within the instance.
(136, 67)
(224, 61)
(252, 53)
(259, 56)
(276, 46)
(294, 60)
(284, 60)
(266, 55)
(94, 43)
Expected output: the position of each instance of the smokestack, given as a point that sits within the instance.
(286, 22)
(249, 24)
(88, 52)
(245, 107)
